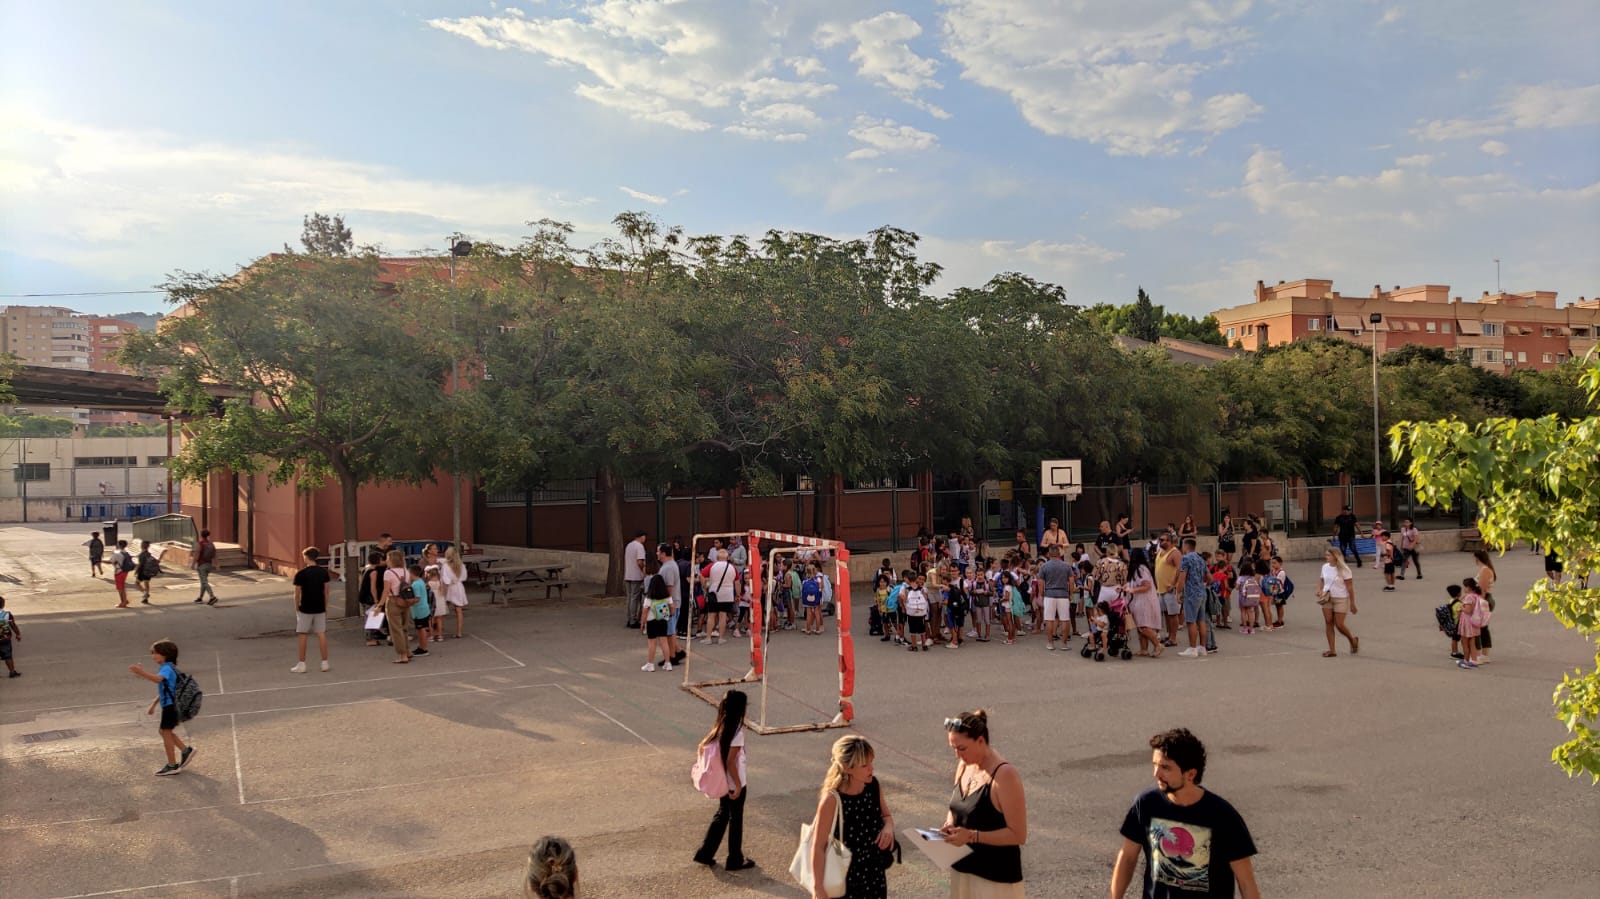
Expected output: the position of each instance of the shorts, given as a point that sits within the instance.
(811, 602)
(1058, 608)
(1194, 608)
(421, 624)
(122, 580)
(655, 629)
(1339, 604)
(957, 618)
(1171, 604)
(1388, 568)
(5, 650)
(310, 624)
(169, 717)
(917, 623)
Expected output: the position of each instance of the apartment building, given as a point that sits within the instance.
(1497, 330)
(53, 336)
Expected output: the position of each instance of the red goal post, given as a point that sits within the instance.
(761, 579)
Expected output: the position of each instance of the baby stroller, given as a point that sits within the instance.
(1116, 635)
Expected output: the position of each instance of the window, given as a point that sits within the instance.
(1229, 335)
(155, 461)
(1522, 356)
(105, 461)
(1491, 329)
(904, 482)
(1470, 353)
(1313, 324)
(1433, 327)
(1560, 358)
(1549, 332)
(31, 471)
(1549, 357)
(1580, 332)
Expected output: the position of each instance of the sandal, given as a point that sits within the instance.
(402, 661)
(1157, 653)
(1330, 654)
(1355, 645)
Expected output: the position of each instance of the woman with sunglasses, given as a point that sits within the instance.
(988, 814)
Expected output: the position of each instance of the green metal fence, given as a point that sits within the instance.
(166, 529)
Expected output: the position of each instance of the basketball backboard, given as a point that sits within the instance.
(1061, 477)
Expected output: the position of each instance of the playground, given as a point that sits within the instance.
(1356, 775)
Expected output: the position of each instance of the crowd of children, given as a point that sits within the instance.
(955, 589)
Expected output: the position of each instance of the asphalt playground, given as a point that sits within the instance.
(1389, 773)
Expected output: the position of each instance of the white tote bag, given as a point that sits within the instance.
(835, 858)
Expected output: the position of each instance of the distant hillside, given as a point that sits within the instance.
(145, 320)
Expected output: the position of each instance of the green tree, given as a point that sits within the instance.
(1187, 327)
(324, 235)
(1533, 479)
(334, 368)
(1144, 319)
(34, 426)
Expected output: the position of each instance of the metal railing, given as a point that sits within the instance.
(166, 529)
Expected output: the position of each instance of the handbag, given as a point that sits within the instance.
(708, 774)
(1324, 597)
(835, 858)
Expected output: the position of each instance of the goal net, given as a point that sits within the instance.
(766, 549)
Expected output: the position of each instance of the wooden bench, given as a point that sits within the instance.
(1471, 540)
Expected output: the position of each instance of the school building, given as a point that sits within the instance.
(1497, 330)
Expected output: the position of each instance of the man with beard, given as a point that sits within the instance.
(1194, 843)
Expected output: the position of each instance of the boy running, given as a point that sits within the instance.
(164, 653)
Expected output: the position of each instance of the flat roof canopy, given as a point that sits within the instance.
(41, 385)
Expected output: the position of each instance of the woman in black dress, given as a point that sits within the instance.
(988, 812)
(868, 826)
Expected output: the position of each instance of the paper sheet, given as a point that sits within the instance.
(933, 845)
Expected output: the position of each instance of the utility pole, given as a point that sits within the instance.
(458, 248)
(1376, 319)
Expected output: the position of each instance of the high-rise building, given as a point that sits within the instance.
(51, 336)
(1499, 331)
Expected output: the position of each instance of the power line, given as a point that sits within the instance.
(98, 293)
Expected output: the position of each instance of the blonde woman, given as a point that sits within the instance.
(396, 609)
(452, 575)
(868, 826)
(1337, 597)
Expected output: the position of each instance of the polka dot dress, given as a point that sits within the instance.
(863, 821)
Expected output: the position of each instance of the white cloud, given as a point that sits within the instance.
(755, 133)
(883, 55)
(1057, 254)
(882, 136)
(125, 203)
(1145, 218)
(1528, 107)
(656, 199)
(1390, 16)
(1494, 148)
(1120, 75)
(1420, 160)
(685, 64)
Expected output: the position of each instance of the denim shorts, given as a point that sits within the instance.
(1194, 608)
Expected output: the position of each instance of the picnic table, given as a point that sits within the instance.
(478, 565)
(505, 580)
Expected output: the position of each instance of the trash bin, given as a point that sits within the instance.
(108, 533)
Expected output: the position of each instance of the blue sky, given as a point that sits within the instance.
(1189, 147)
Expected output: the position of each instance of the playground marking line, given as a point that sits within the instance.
(238, 763)
(497, 649)
(221, 690)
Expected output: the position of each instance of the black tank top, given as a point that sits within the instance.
(976, 811)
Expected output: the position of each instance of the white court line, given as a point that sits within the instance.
(220, 688)
(496, 649)
(238, 763)
(598, 711)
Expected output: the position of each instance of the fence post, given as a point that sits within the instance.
(527, 518)
(894, 518)
(1144, 507)
(1288, 519)
(588, 520)
(661, 513)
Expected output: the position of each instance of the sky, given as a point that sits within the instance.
(1190, 148)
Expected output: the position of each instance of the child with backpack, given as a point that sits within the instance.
(422, 609)
(122, 565)
(914, 600)
(1249, 598)
(145, 571)
(655, 618)
(1278, 587)
(435, 602)
(1475, 615)
(981, 594)
(877, 624)
(1449, 618)
(955, 608)
(8, 631)
(170, 685)
(811, 600)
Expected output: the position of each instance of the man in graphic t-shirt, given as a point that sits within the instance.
(1345, 526)
(1194, 843)
(1057, 577)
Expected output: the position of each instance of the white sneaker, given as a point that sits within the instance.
(1051, 646)
(326, 666)
(299, 668)
(666, 666)
(648, 666)
(1190, 653)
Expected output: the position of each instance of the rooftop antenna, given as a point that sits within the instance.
(1497, 276)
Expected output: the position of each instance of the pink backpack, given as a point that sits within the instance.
(708, 774)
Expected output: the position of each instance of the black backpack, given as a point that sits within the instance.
(150, 568)
(186, 697)
(128, 564)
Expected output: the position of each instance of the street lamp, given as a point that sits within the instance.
(1376, 319)
(458, 249)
